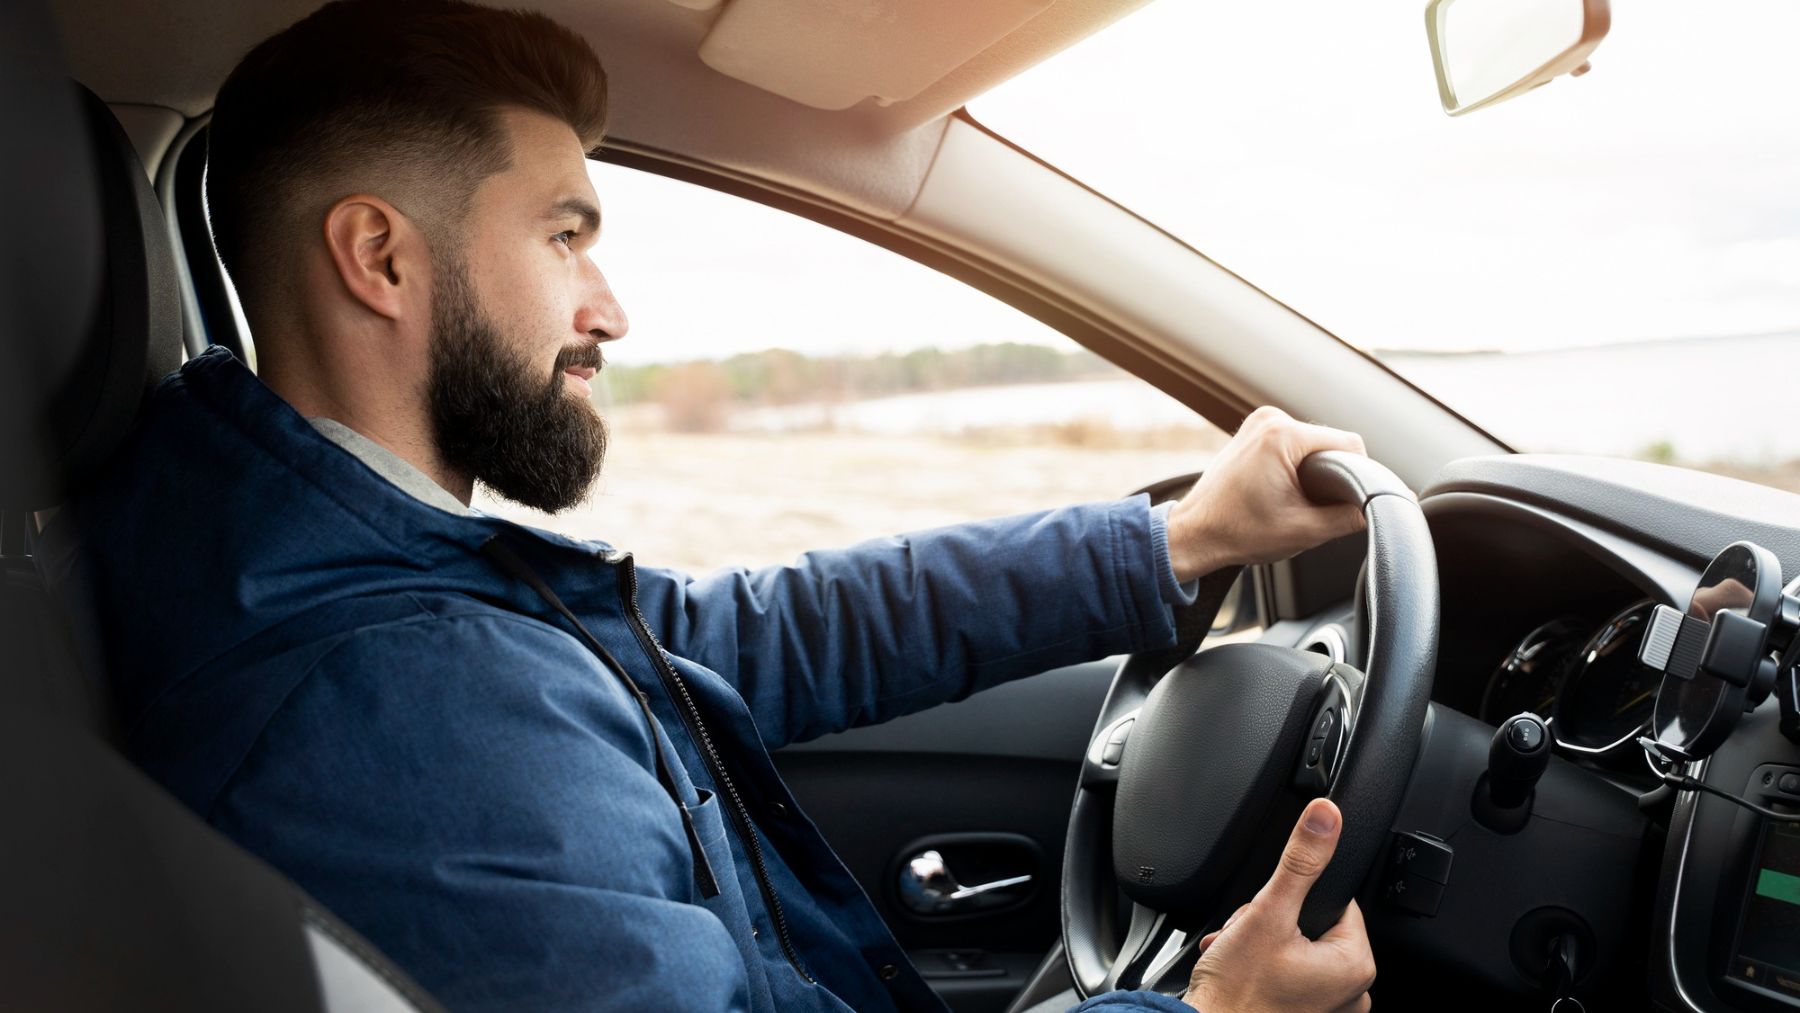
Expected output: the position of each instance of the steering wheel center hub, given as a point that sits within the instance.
(1216, 740)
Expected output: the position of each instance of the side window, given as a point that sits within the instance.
(785, 387)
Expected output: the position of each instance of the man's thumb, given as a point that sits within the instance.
(1309, 849)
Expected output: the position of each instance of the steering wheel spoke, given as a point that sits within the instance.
(1328, 732)
(1153, 947)
(1106, 752)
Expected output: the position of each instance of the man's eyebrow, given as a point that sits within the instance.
(579, 207)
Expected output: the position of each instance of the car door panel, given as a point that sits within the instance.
(987, 782)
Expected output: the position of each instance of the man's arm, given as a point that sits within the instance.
(859, 635)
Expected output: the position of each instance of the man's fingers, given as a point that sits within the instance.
(1207, 940)
(1351, 941)
(1305, 437)
(1349, 929)
(1316, 438)
(1343, 519)
(1309, 849)
(1311, 435)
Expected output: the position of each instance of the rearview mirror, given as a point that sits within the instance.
(1488, 51)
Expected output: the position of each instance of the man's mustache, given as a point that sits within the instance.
(582, 355)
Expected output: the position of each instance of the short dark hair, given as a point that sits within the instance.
(403, 91)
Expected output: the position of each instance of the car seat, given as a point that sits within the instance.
(112, 894)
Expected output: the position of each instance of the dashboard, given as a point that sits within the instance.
(1549, 568)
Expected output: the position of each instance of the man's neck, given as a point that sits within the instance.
(389, 465)
(403, 431)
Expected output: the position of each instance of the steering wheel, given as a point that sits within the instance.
(1196, 772)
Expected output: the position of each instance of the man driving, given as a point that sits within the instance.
(535, 773)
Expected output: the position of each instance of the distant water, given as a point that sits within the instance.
(1709, 399)
(1125, 404)
(1717, 399)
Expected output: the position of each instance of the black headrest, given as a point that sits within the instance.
(133, 337)
(49, 232)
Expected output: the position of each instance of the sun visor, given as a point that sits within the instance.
(833, 54)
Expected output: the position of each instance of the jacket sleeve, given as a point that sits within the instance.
(859, 635)
(476, 796)
(1121, 1002)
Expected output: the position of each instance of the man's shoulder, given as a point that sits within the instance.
(452, 644)
(449, 630)
(457, 663)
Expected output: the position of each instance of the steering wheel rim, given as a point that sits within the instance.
(1373, 765)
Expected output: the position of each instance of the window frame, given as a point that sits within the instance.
(214, 321)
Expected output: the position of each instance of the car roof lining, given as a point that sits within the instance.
(870, 156)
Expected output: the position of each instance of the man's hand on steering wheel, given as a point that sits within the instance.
(1259, 961)
(1248, 507)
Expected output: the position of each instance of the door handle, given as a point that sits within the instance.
(927, 887)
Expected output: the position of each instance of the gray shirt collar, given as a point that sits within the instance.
(390, 466)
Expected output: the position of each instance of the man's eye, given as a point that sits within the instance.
(564, 237)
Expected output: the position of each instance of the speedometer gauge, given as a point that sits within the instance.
(1532, 674)
(1609, 695)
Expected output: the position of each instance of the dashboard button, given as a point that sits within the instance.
(1326, 724)
(1526, 735)
(1789, 784)
(1415, 895)
(1420, 854)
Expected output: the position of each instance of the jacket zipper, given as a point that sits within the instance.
(690, 715)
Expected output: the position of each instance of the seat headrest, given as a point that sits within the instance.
(49, 233)
(133, 337)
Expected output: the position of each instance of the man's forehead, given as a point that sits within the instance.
(549, 167)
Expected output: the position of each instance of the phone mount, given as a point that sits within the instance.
(1735, 644)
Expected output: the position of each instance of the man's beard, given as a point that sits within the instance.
(499, 421)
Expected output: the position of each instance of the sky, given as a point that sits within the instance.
(1302, 145)
(706, 275)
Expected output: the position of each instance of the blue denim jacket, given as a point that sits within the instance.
(333, 675)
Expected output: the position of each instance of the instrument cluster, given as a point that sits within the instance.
(1586, 681)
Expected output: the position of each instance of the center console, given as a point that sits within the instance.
(1729, 910)
(1764, 956)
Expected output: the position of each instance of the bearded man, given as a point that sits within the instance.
(533, 772)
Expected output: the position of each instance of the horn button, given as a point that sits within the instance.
(1216, 740)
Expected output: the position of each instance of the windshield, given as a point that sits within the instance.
(1609, 264)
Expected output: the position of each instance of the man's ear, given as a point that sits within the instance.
(377, 252)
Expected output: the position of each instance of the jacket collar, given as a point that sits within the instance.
(399, 472)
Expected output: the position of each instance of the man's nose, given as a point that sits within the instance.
(600, 315)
